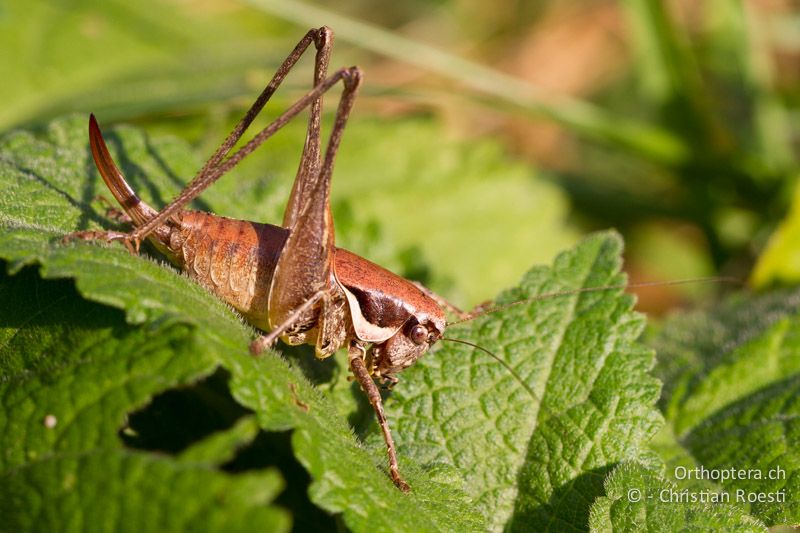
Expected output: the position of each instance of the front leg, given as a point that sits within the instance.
(356, 354)
(329, 324)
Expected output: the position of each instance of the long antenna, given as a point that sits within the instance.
(717, 279)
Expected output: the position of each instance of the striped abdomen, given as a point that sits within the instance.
(234, 259)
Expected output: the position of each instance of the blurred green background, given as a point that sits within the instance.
(488, 135)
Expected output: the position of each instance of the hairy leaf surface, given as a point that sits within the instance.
(731, 399)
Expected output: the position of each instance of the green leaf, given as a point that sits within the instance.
(759, 433)
(222, 447)
(731, 382)
(710, 360)
(637, 499)
(123, 491)
(536, 435)
(80, 365)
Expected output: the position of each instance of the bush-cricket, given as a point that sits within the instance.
(291, 280)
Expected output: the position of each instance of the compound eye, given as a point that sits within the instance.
(418, 334)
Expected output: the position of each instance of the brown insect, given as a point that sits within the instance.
(291, 280)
